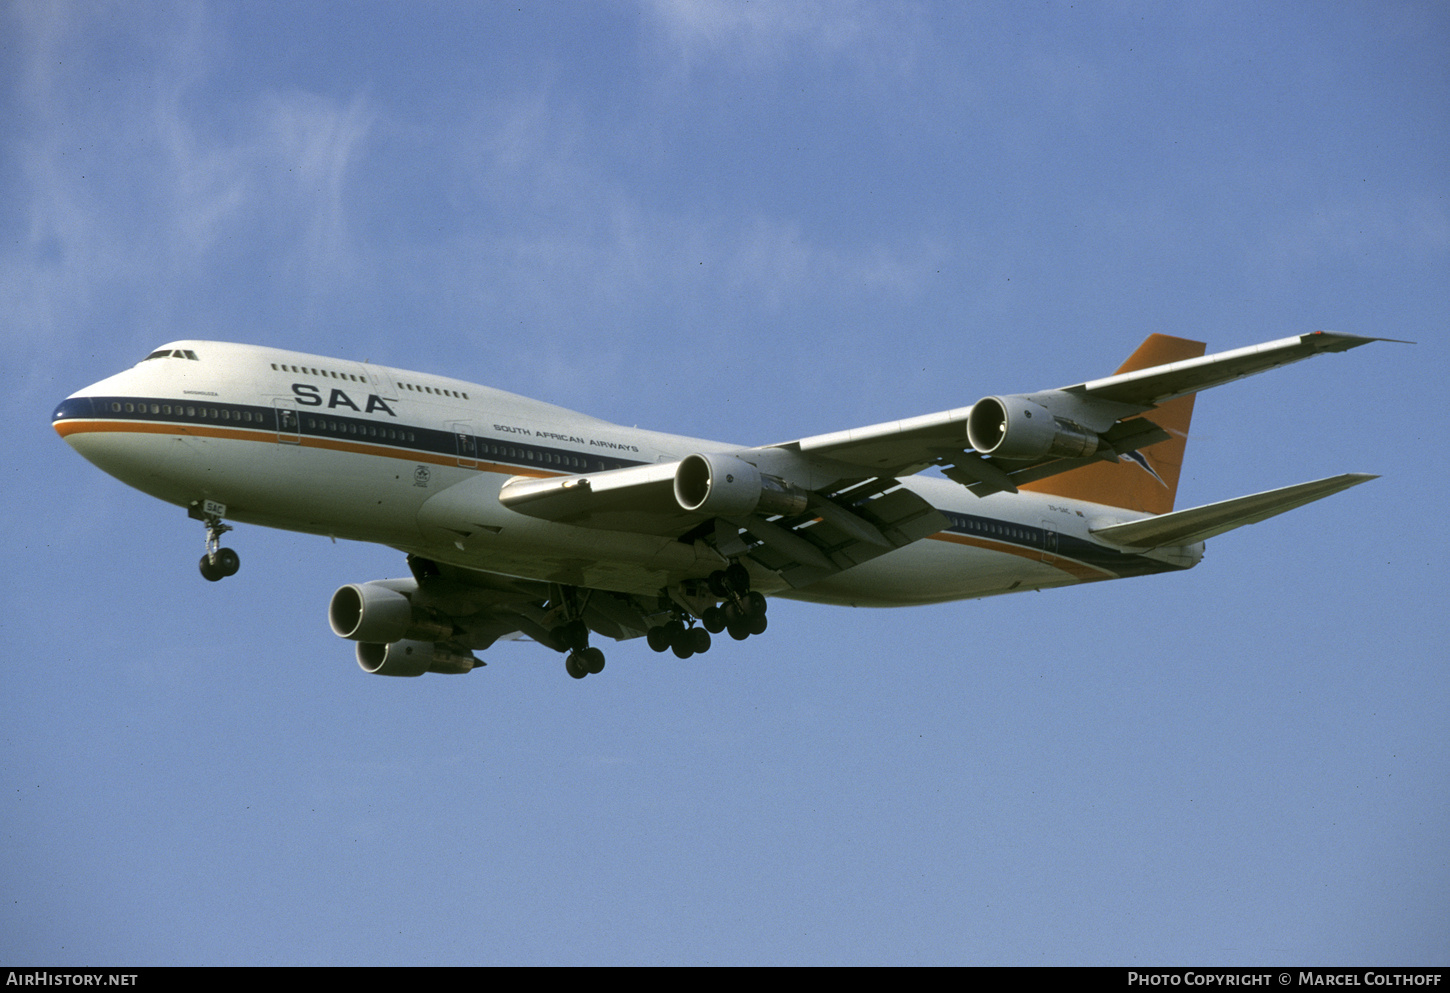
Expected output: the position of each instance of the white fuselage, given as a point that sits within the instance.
(359, 451)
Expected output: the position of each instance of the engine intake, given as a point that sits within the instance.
(1013, 427)
(381, 613)
(727, 486)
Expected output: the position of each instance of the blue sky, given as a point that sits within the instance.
(748, 221)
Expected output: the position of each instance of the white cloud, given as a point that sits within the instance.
(138, 185)
(317, 141)
(773, 30)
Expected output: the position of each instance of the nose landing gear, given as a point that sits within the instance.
(218, 562)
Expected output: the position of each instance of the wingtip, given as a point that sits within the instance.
(1338, 341)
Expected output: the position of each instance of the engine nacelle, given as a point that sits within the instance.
(380, 613)
(1014, 427)
(412, 658)
(727, 486)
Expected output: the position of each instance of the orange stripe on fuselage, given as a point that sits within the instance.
(1077, 570)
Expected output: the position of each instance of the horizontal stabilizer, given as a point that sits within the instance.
(1184, 527)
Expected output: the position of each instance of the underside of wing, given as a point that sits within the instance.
(726, 504)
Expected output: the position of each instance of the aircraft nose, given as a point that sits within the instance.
(69, 413)
(68, 409)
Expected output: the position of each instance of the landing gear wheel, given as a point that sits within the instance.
(573, 667)
(221, 565)
(714, 619)
(659, 638)
(592, 659)
(699, 640)
(228, 561)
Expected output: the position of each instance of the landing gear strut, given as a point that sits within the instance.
(218, 562)
(581, 660)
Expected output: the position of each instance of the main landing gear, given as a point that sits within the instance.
(582, 660)
(742, 614)
(218, 562)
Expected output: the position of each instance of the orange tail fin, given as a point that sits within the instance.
(1146, 480)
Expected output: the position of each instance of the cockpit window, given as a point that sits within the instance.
(172, 353)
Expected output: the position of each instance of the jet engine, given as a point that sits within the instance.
(394, 637)
(727, 486)
(1014, 427)
(412, 658)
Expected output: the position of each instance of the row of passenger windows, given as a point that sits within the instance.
(325, 373)
(994, 528)
(168, 410)
(437, 392)
(381, 432)
(562, 459)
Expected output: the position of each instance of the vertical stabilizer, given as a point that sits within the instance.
(1146, 480)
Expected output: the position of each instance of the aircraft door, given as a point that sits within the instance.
(289, 426)
(379, 380)
(1049, 541)
(467, 444)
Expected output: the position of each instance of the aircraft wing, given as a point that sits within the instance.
(808, 508)
(801, 535)
(1100, 420)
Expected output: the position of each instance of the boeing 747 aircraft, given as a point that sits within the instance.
(523, 519)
